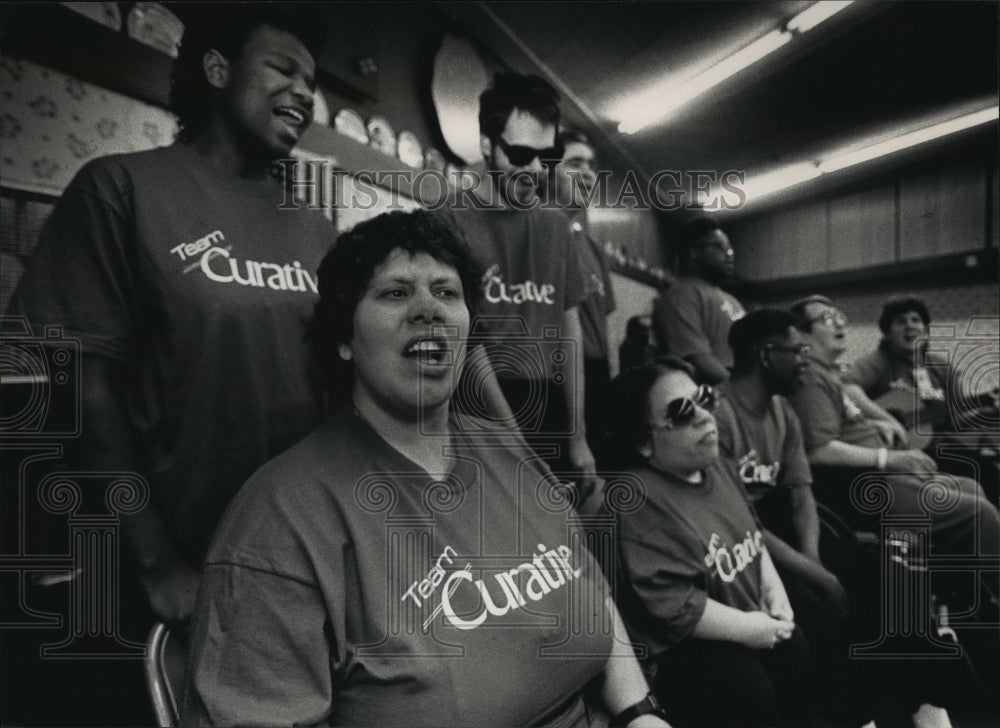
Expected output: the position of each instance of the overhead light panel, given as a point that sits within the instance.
(649, 107)
(903, 141)
(768, 183)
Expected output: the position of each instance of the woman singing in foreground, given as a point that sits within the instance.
(396, 567)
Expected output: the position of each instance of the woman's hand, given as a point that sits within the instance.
(762, 632)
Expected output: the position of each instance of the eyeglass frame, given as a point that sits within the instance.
(832, 317)
(705, 398)
(549, 157)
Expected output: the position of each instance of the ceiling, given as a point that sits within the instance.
(871, 69)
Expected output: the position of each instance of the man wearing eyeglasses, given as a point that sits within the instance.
(838, 434)
(692, 318)
(533, 283)
(760, 432)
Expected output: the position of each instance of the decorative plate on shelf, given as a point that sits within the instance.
(321, 112)
(433, 159)
(381, 135)
(349, 123)
(410, 152)
(104, 13)
(154, 25)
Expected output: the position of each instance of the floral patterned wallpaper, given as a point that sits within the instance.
(51, 124)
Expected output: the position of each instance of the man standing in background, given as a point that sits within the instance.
(692, 318)
(570, 184)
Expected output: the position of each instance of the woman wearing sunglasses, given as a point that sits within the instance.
(704, 595)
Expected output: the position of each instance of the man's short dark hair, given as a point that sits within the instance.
(225, 27)
(753, 330)
(529, 93)
(798, 311)
(902, 304)
(691, 234)
(348, 268)
(631, 396)
(571, 136)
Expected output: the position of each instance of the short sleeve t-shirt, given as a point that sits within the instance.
(600, 300)
(826, 412)
(686, 543)
(201, 286)
(348, 586)
(532, 276)
(911, 391)
(768, 451)
(693, 317)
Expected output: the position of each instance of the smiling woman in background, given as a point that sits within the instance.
(393, 568)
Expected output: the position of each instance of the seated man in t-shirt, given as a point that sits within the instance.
(921, 389)
(760, 432)
(839, 435)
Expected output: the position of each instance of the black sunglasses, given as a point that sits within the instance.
(521, 156)
(680, 412)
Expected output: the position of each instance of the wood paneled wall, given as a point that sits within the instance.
(951, 208)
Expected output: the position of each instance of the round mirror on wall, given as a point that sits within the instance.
(459, 77)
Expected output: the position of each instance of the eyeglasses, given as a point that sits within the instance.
(831, 318)
(801, 351)
(521, 156)
(680, 412)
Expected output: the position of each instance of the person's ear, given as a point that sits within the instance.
(762, 357)
(216, 68)
(646, 449)
(485, 146)
(345, 352)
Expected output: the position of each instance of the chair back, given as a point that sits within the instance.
(166, 662)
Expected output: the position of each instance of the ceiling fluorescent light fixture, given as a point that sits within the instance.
(768, 183)
(903, 141)
(641, 110)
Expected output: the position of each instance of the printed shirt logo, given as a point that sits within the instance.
(732, 309)
(851, 410)
(547, 570)
(926, 389)
(730, 562)
(527, 292)
(754, 472)
(219, 266)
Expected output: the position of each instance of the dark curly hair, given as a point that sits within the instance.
(749, 332)
(630, 393)
(348, 268)
(225, 27)
(510, 91)
(902, 304)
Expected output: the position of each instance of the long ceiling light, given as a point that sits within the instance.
(657, 104)
(768, 183)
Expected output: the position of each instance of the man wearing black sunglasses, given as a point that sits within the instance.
(534, 282)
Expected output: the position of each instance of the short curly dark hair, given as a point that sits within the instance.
(902, 304)
(348, 268)
(751, 331)
(225, 27)
(509, 91)
(630, 393)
